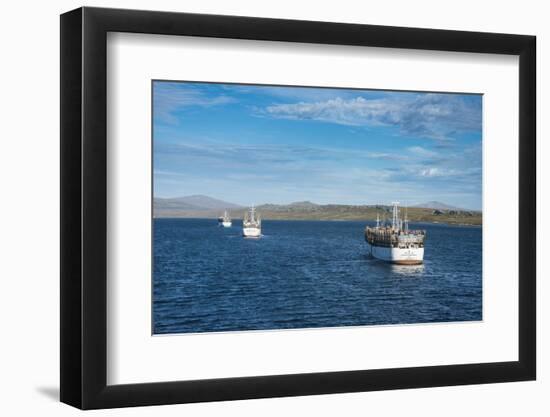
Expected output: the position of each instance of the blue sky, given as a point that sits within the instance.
(251, 144)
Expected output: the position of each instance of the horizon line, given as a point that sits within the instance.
(414, 205)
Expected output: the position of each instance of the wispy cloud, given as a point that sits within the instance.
(436, 172)
(388, 156)
(272, 163)
(422, 152)
(274, 154)
(434, 116)
(242, 154)
(168, 98)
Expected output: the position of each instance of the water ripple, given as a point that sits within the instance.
(306, 274)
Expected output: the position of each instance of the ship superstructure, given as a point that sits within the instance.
(224, 220)
(252, 223)
(395, 242)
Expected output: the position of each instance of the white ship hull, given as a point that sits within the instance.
(401, 256)
(252, 232)
(226, 224)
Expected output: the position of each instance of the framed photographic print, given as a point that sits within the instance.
(258, 207)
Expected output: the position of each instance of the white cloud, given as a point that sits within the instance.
(422, 152)
(435, 116)
(431, 172)
(388, 156)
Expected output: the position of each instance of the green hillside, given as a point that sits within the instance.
(305, 210)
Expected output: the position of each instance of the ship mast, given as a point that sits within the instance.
(252, 210)
(396, 221)
(378, 220)
(406, 221)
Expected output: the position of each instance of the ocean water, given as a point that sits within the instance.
(307, 274)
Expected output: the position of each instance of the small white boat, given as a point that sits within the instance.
(224, 220)
(252, 224)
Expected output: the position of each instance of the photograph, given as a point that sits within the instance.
(302, 207)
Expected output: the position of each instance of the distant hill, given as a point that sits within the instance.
(437, 205)
(297, 206)
(201, 206)
(304, 204)
(192, 204)
(306, 210)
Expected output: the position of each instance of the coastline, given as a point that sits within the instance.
(456, 224)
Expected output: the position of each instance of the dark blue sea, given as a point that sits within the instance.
(304, 274)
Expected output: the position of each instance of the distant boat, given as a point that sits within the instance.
(252, 224)
(224, 220)
(396, 243)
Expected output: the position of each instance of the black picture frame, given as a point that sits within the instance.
(84, 207)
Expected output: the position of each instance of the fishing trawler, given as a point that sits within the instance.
(224, 220)
(252, 224)
(396, 243)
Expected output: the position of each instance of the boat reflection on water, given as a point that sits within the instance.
(407, 271)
